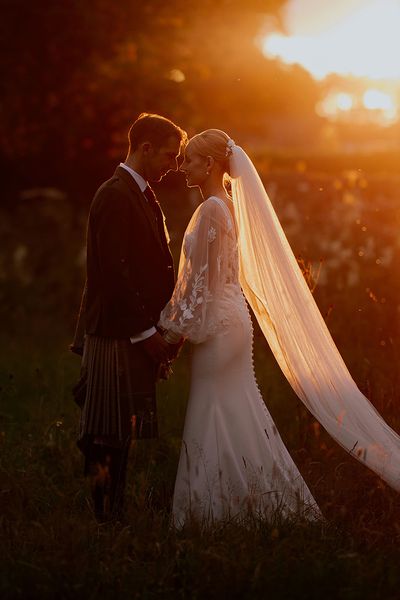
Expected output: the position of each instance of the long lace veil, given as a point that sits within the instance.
(296, 332)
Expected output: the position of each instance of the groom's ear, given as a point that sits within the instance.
(146, 147)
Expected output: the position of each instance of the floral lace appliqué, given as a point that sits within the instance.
(188, 306)
(212, 234)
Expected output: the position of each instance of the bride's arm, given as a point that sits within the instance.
(189, 312)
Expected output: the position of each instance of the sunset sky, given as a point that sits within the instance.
(351, 38)
(356, 37)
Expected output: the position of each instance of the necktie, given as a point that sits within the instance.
(162, 232)
(151, 198)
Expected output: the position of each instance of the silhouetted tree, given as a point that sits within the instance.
(74, 74)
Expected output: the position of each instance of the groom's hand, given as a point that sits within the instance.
(157, 348)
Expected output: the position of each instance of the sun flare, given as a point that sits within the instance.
(377, 100)
(344, 101)
(365, 42)
(350, 105)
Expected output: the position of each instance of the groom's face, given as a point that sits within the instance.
(160, 160)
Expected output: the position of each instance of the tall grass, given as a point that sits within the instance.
(52, 546)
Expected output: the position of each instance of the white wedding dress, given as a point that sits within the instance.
(233, 460)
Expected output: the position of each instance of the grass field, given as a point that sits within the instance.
(51, 545)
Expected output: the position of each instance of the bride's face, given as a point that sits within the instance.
(194, 166)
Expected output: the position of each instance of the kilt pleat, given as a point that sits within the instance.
(120, 396)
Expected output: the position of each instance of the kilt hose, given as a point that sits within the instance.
(117, 395)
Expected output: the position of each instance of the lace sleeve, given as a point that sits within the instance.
(191, 312)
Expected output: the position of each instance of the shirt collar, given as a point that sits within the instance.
(142, 183)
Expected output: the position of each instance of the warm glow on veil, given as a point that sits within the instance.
(296, 332)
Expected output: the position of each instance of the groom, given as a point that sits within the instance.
(130, 277)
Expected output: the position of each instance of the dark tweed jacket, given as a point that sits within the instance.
(130, 275)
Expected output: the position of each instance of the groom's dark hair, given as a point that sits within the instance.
(155, 129)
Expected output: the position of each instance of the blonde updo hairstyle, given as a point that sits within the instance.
(213, 142)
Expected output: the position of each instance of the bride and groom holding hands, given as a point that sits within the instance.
(134, 317)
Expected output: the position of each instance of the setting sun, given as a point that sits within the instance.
(344, 101)
(363, 42)
(381, 105)
(377, 100)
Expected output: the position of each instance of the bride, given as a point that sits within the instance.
(233, 461)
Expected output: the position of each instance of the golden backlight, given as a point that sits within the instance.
(364, 43)
(373, 100)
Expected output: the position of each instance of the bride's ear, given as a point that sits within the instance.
(210, 162)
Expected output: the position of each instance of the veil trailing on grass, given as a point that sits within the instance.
(296, 332)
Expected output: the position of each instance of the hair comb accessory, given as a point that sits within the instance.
(229, 147)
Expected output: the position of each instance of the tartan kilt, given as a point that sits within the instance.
(117, 393)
